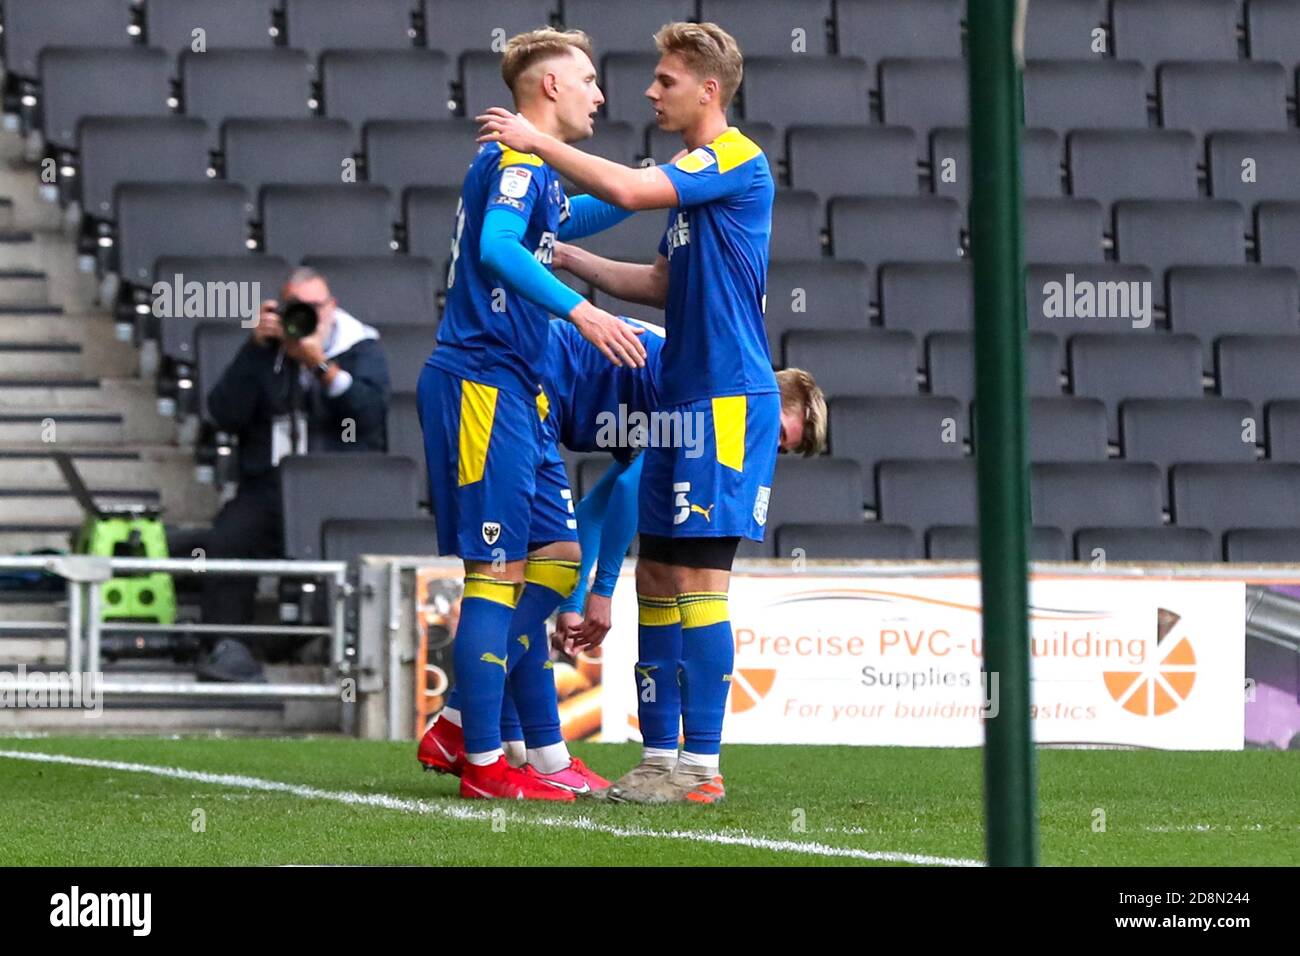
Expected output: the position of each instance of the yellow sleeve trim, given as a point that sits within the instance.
(733, 148)
(511, 157)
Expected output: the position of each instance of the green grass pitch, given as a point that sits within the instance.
(263, 801)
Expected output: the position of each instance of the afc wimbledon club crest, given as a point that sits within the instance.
(491, 531)
(760, 504)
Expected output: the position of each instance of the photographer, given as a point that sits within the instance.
(291, 389)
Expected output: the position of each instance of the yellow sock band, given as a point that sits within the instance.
(702, 608)
(490, 589)
(657, 611)
(560, 576)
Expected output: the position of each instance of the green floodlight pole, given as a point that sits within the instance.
(1010, 815)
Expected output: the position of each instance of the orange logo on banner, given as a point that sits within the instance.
(1165, 683)
(750, 685)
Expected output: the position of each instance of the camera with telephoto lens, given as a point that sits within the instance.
(297, 318)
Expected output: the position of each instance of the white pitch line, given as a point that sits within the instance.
(462, 812)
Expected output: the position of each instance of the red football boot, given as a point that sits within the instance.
(500, 781)
(443, 748)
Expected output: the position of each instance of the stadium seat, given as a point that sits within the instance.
(1065, 429)
(1115, 368)
(228, 25)
(115, 150)
(625, 26)
(923, 494)
(1221, 497)
(962, 543)
(430, 216)
(1170, 431)
(215, 346)
(1250, 167)
(1086, 494)
(815, 491)
(1190, 232)
(1040, 163)
(178, 219)
(77, 83)
(1277, 231)
(1108, 165)
(1258, 368)
(896, 229)
(1284, 431)
(382, 290)
(796, 233)
(481, 85)
(1263, 545)
(635, 239)
(950, 358)
(319, 25)
(806, 91)
(626, 77)
(1166, 545)
(872, 430)
(618, 142)
(346, 539)
(405, 153)
(457, 26)
(286, 152)
(927, 297)
(1065, 30)
(364, 85)
(877, 30)
(247, 84)
(1273, 32)
(31, 26)
(857, 362)
(865, 541)
(925, 95)
(263, 276)
(1088, 94)
(338, 220)
(1210, 301)
(1072, 297)
(772, 27)
(847, 161)
(815, 294)
(407, 347)
(320, 487)
(405, 438)
(1063, 230)
(1205, 97)
(1156, 31)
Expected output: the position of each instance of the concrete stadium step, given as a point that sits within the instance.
(6, 212)
(134, 403)
(53, 393)
(48, 652)
(26, 538)
(22, 606)
(72, 428)
(33, 345)
(58, 506)
(20, 287)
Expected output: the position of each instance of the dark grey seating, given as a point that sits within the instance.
(340, 220)
(405, 153)
(1063, 230)
(962, 543)
(1258, 368)
(1210, 301)
(260, 276)
(872, 430)
(1204, 97)
(796, 229)
(1040, 163)
(33, 25)
(405, 438)
(1180, 232)
(1073, 297)
(407, 348)
(1170, 431)
(1284, 430)
(861, 541)
(923, 494)
(1168, 544)
(1154, 31)
(1273, 156)
(215, 345)
(319, 25)
(77, 83)
(481, 84)
(1114, 368)
(115, 150)
(626, 77)
(1221, 497)
(858, 362)
(1065, 429)
(178, 219)
(815, 491)
(635, 239)
(925, 95)
(1108, 165)
(1064, 29)
(346, 539)
(927, 297)
(321, 487)
(247, 84)
(806, 90)
(430, 216)
(228, 25)
(876, 30)
(455, 26)
(950, 357)
(770, 27)
(1087, 94)
(881, 160)
(364, 85)
(1086, 494)
(815, 294)
(265, 152)
(382, 290)
(625, 26)
(1277, 228)
(1273, 31)
(1263, 545)
(896, 229)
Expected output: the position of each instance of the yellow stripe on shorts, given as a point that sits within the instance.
(478, 406)
(729, 430)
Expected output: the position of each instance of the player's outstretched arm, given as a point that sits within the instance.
(619, 529)
(630, 281)
(627, 187)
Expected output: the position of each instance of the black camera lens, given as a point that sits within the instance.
(298, 319)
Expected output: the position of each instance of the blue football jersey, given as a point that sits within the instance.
(590, 395)
(488, 335)
(717, 249)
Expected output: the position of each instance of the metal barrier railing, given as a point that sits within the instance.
(84, 574)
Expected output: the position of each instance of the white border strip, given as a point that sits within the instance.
(458, 811)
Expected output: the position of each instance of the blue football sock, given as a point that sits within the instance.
(708, 656)
(659, 698)
(532, 681)
(480, 656)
